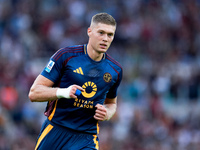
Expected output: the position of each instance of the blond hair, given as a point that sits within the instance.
(103, 18)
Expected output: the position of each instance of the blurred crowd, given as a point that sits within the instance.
(158, 44)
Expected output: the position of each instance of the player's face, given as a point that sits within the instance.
(101, 36)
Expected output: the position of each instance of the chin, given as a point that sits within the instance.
(103, 50)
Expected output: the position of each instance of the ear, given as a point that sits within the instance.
(89, 31)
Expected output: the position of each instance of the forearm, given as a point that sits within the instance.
(111, 109)
(41, 93)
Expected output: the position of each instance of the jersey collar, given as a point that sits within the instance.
(85, 51)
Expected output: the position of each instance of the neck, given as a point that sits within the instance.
(94, 54)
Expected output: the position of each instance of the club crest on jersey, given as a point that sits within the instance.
(107, 77)
(49, 66)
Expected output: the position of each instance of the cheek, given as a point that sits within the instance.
(110, 40)
(94, 41)
(97, 39)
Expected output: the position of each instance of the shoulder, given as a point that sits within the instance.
(70, 51)
(115, 64)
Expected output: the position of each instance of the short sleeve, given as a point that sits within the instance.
(113, 90)
(53, 70)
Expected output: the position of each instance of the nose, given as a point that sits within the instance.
(105, 37)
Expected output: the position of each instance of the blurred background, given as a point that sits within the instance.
(158, 44)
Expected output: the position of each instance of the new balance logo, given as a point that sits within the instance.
(79, 70)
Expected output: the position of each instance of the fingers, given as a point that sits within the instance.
(73, 90)
(79, 87)
(100, 113)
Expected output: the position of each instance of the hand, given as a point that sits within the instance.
(100, 113)
(73, 89)
(68, 92)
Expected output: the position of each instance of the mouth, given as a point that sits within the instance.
(103, 46)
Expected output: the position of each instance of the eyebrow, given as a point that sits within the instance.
(100, 30)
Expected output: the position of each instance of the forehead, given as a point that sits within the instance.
(104, 27)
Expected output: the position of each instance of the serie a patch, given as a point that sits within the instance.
(49, 66)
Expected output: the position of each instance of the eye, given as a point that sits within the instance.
(110, 34)
(101, 32)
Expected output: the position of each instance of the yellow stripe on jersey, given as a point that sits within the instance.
(85, 49)
(97, 128)
(81, 71)
(44, 133)
(96, 142)
(77, 70)
(53, 112)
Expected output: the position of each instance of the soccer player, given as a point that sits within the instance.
(72, 119)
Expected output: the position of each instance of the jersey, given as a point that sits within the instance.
(72, 65)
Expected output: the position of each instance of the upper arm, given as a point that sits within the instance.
(41, 80)
(42, 90)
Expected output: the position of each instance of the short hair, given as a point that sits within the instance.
(103, 18)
